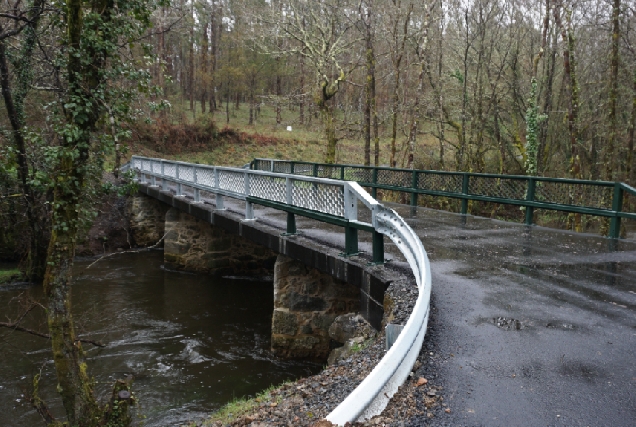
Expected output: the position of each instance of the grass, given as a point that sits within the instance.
(305, 142)
(243, 406)
(9, 275)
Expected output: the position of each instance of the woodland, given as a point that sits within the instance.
(532, 87)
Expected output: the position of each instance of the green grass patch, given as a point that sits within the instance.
(244, 406)
(9, 275)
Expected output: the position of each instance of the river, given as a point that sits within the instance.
(192, 342)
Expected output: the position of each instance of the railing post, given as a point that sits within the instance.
(291, 167)
(374, 181)
(342, 172)
(249, 208)
(219, 197)
(178, 184)
(617, 206)
(464, 209)
(291, 218)
(350, 214)
(414, 194)
(197, 195)
(530, 198)
(315, 170)
(164, 182)
(271, 166)
(378, 248)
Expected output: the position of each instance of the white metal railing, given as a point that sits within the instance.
(336, 198)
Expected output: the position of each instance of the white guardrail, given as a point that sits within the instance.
(338, 198)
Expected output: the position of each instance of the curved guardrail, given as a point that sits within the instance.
(335, 202)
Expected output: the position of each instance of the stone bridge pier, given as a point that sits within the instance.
(312, 285)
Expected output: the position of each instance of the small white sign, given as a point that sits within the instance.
(289, 128)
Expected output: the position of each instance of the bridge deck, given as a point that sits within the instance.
(531, 327)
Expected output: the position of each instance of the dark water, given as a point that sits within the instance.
(192, 342)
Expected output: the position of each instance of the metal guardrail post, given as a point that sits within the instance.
(464, 209)
(342, 175)
(315, 170)
(292, 167)
(617, 206)
(530, 198)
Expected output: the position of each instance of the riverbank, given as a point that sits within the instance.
(307, 401)
(9, 273)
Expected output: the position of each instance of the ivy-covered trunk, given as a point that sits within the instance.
(74, 384)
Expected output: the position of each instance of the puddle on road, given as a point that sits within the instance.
(508, 323)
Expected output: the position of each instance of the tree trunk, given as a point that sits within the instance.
(572, 90)
(191, 66)
(369, 88)
(204, 67)
(14, 103)
(629, 170)
(613, 93)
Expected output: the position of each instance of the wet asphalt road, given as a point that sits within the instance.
(532, 327)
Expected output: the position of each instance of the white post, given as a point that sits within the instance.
(178, 184)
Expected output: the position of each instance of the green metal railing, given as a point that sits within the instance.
(598, 198)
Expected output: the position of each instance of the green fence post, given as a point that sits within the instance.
(374, 181)
(464, 210)
(291, 167)
(351, 240)
(414, 186)
(378, 248)
(315, 171)
(617, 206)
(342, 172)
(530, 198)
(291, 224)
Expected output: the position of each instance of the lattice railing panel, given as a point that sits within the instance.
(439, 182)
(170, 170)
(326, 198)
(205, 176)
(564, 193)
(155, 166)
(325, 171)
(232, 181)
(146, 165)
(267, 187)
(186, 173)
(395, 178)
(498, 187)
(304, 169)
(358, 174)
(282, 167)
(262, 165)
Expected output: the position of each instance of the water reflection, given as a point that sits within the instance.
(192, 342)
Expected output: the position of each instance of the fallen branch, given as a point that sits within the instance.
(130, 251)
(17, 327)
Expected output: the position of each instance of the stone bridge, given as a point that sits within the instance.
(313, 282)
(531, 326)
